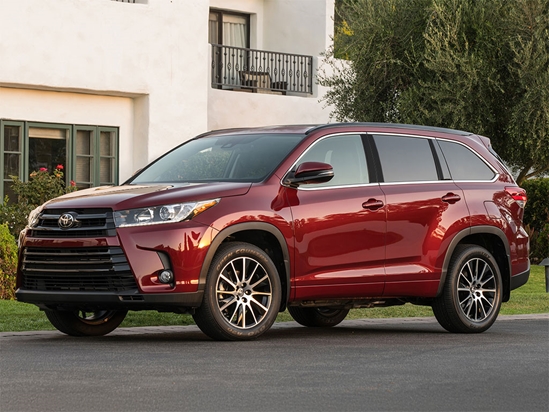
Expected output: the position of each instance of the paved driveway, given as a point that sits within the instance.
(361, 365)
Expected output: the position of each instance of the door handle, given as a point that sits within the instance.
(451, 198)
(372, 204)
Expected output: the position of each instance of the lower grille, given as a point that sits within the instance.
(102, 269)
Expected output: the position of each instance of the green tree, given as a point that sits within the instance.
(477, 65)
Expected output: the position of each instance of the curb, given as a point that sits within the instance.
(145, 330)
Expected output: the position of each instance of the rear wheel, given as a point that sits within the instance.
(86, 323)
(317, 317)
(242, 294)
(471, 298)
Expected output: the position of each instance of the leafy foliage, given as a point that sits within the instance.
(41, 187)
(536, 217)
(478, 65)
(8, 263)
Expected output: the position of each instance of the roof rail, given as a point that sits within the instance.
(393, 125)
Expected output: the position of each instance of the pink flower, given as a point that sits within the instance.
(59, 167)
(72, 183)
(43, 169)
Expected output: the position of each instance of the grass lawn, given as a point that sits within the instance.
(530, 298)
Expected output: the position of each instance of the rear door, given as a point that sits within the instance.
(425, 209)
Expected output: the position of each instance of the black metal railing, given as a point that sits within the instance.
(237, 68)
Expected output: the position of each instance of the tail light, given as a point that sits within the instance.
(518, 194)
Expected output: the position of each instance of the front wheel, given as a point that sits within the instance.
(471, 298)
(242, 294)
(317, 317)
(86, 323)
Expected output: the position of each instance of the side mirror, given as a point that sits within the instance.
(309, 172)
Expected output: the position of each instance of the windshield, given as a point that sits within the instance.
(225, 158)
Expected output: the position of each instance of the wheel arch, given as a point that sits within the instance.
(263, 235)
(492, 239)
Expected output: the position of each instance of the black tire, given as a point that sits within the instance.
(471, 296)
(242, 294)
(318, 317)
(84, 323)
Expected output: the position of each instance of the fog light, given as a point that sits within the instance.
(166, 276)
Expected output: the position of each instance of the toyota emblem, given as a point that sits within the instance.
(66, 221)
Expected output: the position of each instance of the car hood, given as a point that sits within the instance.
(135, 196)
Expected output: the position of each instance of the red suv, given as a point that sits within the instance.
(237, 225)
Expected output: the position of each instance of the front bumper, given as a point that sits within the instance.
(128, 300)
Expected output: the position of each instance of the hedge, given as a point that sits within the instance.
(536, 217)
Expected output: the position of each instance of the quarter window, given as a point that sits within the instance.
(464, 164)
(345, 153)
(405, 159)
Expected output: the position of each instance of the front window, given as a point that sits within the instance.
(347, 157)
(237, 158)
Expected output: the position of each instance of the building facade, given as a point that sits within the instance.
(102, 87)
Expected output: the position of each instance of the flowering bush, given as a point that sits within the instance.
(41, 187)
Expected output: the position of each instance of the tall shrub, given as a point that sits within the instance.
(536, 217)
(8, 263)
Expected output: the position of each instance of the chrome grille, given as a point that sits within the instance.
(77, 269)
(90, 223)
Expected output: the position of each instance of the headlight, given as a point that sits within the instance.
(33, 216)
(161, 214)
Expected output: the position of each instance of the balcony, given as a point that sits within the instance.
(133, 1)
(260, 71)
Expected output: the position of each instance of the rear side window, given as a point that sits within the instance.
(405, 159)
(464, 164)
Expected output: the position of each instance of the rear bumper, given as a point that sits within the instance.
(171, 302)
(520, 279)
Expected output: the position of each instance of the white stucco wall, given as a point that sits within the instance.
(297, 25)
(75, 108)
(147, 53)
(145, 67)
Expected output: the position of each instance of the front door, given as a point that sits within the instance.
(339, 226)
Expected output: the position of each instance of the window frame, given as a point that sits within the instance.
(221, 13)
(26, 138)
(22, 151)
(95, 174)
(70, 161)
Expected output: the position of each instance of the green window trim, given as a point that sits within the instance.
(96, 166)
